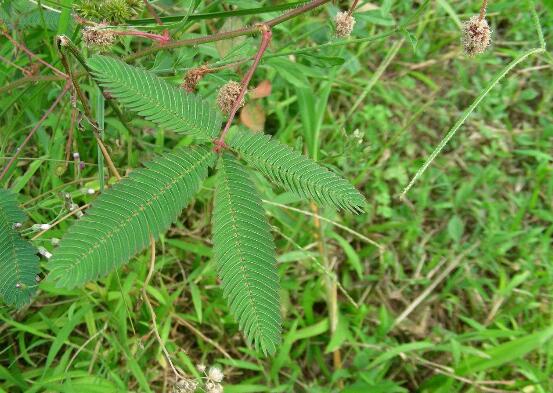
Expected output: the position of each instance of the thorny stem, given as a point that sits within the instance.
(229, 34)
(31, 54)
(483, 9)
(35, 128)
(265, 40)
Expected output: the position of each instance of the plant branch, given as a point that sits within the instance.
(228, 34)
(265, 40)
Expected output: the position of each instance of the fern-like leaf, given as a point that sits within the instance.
(294, 171)
(245, 256)
(120, 221)
(155, 99)
(19, 264)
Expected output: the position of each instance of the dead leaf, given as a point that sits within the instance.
(253, 117)
(262, 90)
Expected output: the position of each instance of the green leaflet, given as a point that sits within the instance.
(295, 172)
(120, 221)
(19, 264)
(156, 100)
(245, 255)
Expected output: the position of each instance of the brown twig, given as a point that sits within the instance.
(191, 327)
(35, 128)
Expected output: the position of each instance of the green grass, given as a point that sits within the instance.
(481, 212)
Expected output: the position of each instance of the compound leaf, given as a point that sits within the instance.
(19, 264)
(120, 221)
(244, 252)
(294, 171)
(156, 100)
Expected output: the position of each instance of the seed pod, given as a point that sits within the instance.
(476, 36)
(99, 37)
(344, 24)
(228, 94)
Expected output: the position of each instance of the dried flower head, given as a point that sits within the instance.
(344, 24)
(228, 94)
(192, 78)
(476, 35)
(98, 36)
(213, 387)
(215, 374)
(185, 386)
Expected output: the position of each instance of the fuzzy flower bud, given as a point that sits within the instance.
(476, 36)
(215, 374)
(228, 94)
(344, 24)
(97, 36)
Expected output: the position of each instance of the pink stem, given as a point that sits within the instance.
(162, 39)
(28, 138)
(265, 40)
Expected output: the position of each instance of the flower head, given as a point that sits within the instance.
(476, 35)
(344, 24)
(215, 374)
(97, 36)
(227, 96)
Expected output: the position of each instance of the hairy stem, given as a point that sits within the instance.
(353, 7)
(229, 34)
(265, 40)
(483, 9)
(161, 38)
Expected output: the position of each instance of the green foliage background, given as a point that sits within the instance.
(482, 210)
